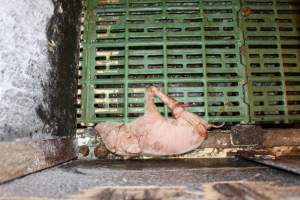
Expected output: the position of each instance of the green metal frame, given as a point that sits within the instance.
(200, 52)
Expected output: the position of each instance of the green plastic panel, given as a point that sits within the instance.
(272, 57)
(205, 53)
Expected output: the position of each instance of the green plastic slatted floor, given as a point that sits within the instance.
(232, 62)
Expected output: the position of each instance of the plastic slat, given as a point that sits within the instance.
(230, 67)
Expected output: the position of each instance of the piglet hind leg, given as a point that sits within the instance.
(166, 99)
(150, 107)
(201, 125)
(173, 105)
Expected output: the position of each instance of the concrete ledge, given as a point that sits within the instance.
(272, 137)
(25, 157)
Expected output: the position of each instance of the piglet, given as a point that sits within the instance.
(154, 135)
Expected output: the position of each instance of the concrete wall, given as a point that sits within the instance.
(38, 56)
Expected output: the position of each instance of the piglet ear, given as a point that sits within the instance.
(134, 149)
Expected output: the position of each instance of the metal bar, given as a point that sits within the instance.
(165, 59)
(85, 67)
(126, 66)
(88, 66)
(204, 61)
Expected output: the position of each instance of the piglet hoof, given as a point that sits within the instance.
(153, 89)
(84, 150)
(100, 151)
(149, 92)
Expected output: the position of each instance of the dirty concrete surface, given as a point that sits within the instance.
(24, 65)
(38, 59)
(39, 50)
(73, 177)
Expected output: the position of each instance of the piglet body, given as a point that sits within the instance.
(153, 134)
(164, 136)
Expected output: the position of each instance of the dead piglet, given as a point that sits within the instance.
(153, 134)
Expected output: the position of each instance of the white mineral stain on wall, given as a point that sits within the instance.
(24, 65)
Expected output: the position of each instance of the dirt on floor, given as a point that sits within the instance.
(212, 191)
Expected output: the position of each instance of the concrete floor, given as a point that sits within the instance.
(73, 177)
